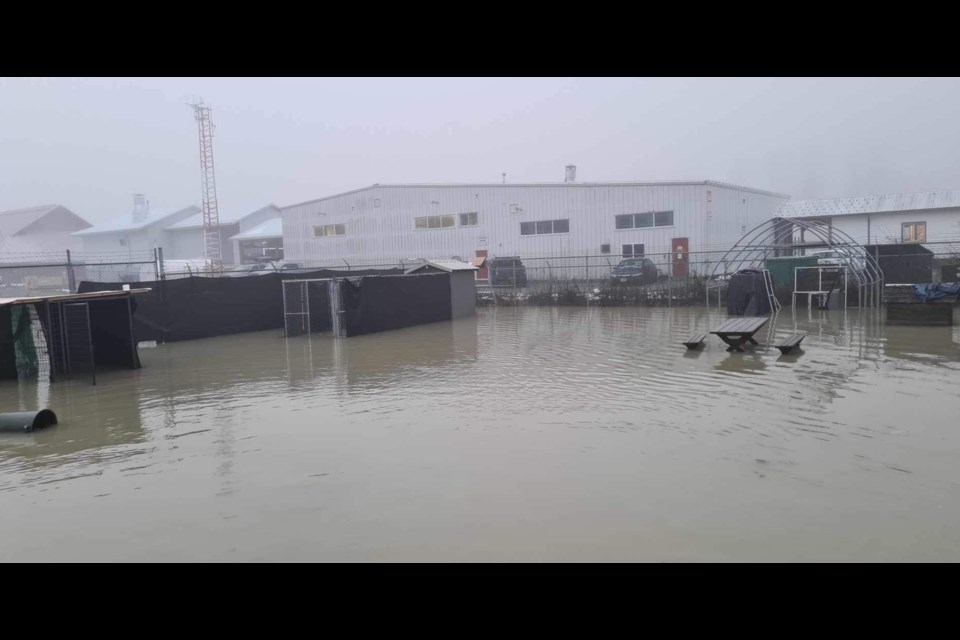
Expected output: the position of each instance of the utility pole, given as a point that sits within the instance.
(208, 181)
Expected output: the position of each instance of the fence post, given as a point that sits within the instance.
(71, 277)
(159, 264)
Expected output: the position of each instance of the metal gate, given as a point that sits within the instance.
(312, 306)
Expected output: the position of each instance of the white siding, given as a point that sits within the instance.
(943, 225)
(387, 233)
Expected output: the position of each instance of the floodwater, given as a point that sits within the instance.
(526, 434)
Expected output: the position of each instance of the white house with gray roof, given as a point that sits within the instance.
(177, 230)
(924, 217)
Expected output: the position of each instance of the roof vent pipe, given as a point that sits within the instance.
(571, 174)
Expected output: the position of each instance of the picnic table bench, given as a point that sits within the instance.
(695, 342)
(790, 343)
(739, 331)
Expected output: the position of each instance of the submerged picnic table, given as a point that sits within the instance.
(738, 331)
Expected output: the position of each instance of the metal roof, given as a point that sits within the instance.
(507, 185)
(14, 221)
(444, 265)
(272, 228)
(196, 221)
(871, 204)
(126, 222)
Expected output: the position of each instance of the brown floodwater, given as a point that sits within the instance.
(540, 434)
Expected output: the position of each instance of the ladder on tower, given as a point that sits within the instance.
(771, 296)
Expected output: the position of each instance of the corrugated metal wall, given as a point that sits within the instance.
(379, 221)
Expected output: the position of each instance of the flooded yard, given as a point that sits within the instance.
(570, 434)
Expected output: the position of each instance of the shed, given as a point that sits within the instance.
(80, 333)
(463, 288)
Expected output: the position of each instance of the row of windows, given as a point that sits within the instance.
(329, 230)
(543, 227)
(445, 222)
(540, 227)
(645, 220)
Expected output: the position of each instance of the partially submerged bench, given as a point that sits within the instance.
(790, 343)
(739, 331)
(695, 342)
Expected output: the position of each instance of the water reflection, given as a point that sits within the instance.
(584, 418)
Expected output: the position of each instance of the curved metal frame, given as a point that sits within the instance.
(757, 244)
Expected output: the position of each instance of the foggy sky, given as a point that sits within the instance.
(89, 143)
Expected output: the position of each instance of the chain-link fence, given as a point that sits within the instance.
(56, 273)
(605, 279)
(683, 278)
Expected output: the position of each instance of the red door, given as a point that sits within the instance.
(681, 257)
(482, 271)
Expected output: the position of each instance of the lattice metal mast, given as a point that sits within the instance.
(211, 215)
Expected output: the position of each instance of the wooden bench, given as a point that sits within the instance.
(790, 343)
(695, 342)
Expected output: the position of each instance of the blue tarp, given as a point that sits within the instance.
(937, 290)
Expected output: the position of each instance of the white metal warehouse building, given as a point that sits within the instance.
(925, 217)
(388, 223)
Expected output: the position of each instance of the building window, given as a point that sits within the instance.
(326, 230)
(914, 231)
(632, 250)
(604, 248)
(644, 220)
(663, 219)
(544, 227)
(468, 219)
(434, 222)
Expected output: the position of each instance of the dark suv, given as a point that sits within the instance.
(507, 272)
(634, 271)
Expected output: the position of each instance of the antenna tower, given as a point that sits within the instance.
(211, 216)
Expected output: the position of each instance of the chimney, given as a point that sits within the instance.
(141, 208)
(571, 174)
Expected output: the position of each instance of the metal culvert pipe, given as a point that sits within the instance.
(26, 421)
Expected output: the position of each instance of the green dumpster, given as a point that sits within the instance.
(781, 269)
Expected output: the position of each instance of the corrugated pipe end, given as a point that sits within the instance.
(26, 421)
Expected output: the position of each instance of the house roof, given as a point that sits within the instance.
(232, 217)
(871, 204)
(125, 222)
(272, 228)
(444, 265)
(14, 221)
(499, 185)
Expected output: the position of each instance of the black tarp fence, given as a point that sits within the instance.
(903, 263)
(200, 307)
(379, 303)
(8, 354)
(747, 294)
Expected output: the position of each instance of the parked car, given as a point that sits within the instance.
(635, 271)
(261, 268)
(249, 270)
(508, 272)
